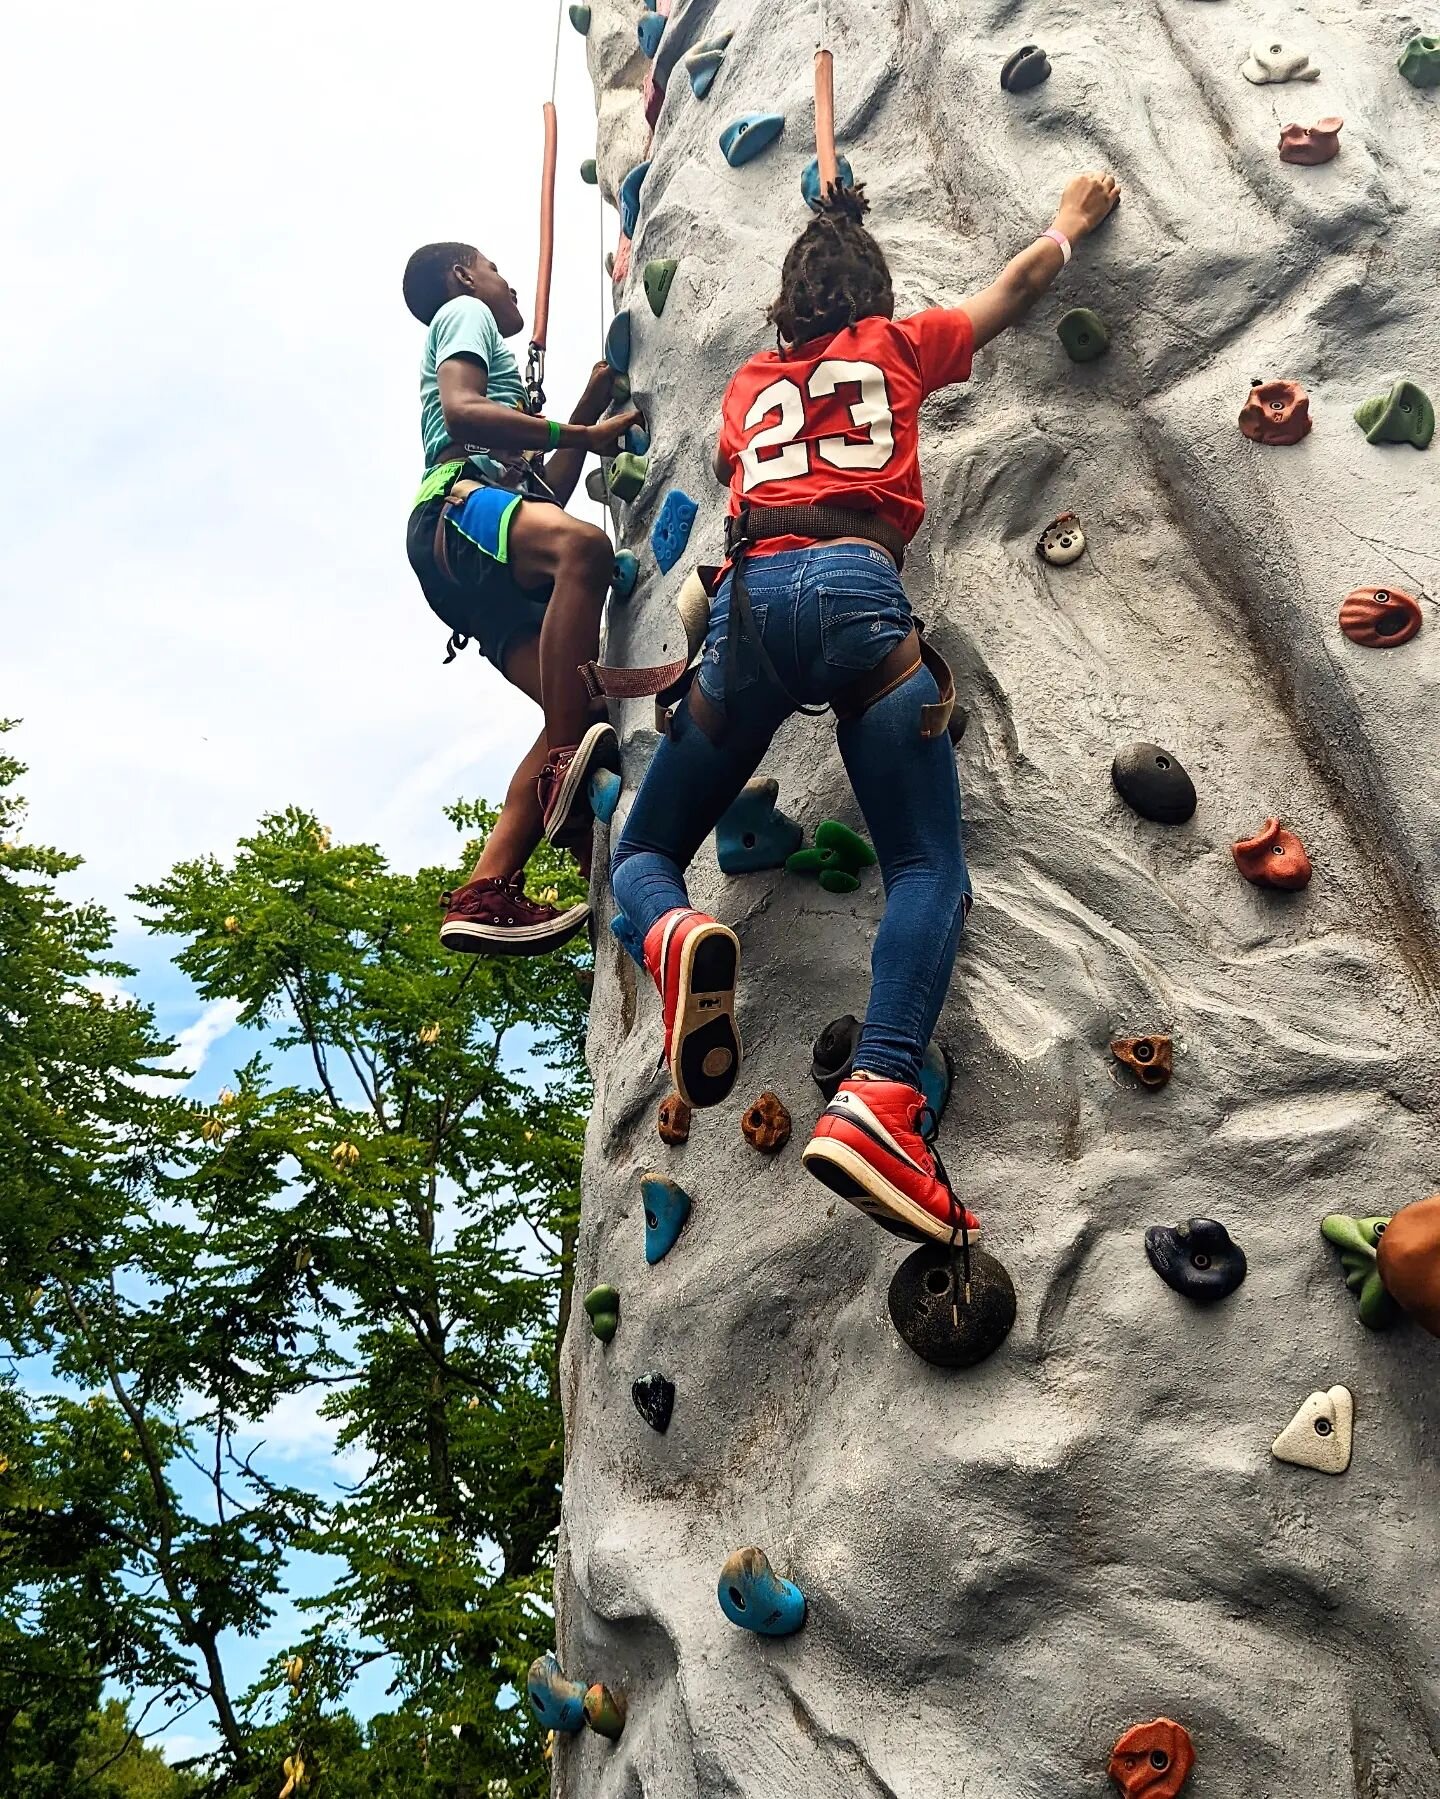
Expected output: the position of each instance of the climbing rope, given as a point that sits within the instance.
(825, 109)
(540, 328)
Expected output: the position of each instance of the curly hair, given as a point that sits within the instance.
(834, 274)
(428, 272)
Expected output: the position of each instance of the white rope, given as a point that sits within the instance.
(555, 70)
(824, 38)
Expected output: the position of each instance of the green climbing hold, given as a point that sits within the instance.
(602, 1307)
(1358, 1240)
(659, 277)
(605, 1712)
(620, 389)
(1403, 416)
(837, 858)
(627, 475)
(589, 171)
(580, 19)
(1420, 61)
(1083, 334)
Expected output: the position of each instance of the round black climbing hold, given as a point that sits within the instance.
(1027, 68)
(933, 1316)
(1154, 783)
(833, 1054)
(1196, 1258)
(654, 1398)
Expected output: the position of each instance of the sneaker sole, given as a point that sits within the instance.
(514, 940)
(846, 1172)
(704, 1047)
(599, 748)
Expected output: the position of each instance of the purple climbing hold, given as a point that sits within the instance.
(671, 532)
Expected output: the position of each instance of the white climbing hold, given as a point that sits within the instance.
(1320, 1434)
(1271, 60)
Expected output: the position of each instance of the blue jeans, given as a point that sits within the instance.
(827, 616)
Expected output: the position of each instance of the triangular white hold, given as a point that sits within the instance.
(1320, 1434)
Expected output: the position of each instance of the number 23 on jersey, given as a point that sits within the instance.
(784, 451)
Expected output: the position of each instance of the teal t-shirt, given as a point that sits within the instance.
(465, 327)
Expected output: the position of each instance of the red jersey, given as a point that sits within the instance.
(837, 421)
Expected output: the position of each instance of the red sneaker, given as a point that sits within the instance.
(869, 1149)
(566, 776)
(497, 918)
(694, 963)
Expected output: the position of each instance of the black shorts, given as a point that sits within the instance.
(480, 599)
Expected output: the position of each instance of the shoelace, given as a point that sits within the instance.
(959, 1227)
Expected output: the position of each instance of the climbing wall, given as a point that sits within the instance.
(1008, 1566)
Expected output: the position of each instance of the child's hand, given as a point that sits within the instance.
(609, 435)
(1088, 201)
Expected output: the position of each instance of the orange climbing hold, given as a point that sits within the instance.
(766, 1124)
(1153, 1761)
(1380, 617)
(1273, 857)
(1277, 412)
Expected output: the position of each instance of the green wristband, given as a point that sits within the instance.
(554, 433)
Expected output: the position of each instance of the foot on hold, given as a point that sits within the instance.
(1311, 145)
(626, 476)
(1420, 61)
(1381, 618)
(753, 1596)
(702, 65)
(1270, 60)
(748, 136)
(627, 573)
(673, 1121)
(558, 1703)
(754, 834)
(951, 1318)
(1152, 1058)
(1083, 334)
(832, 1055)
(1320, 1434)
(1197, 1259)
(1277, 412)
(1153, 1761)
(666, 1209)
(1062, 541)
(565, 780)
(1358, 1239)
(630, 201)
(604, 791)
(1403, 416)
(628, 938)
(671, 531)
(838, 857)
(602, 1308)
(496, 918)
(580, 19)
(767, 1125)
(873, 1146)
(694, 963)
(1027, 68)
(1153, 782)
(810, 180)
(1409, 1261)
(605, 1712)
(1273, 857)
(936, 1078)
(654, 1398)
(659, 279)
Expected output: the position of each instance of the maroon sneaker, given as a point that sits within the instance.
(566, 777)
(497, 918)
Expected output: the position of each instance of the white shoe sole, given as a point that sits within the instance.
(512, 939)
(846, 1172)
(599, 747)
(704, 1049)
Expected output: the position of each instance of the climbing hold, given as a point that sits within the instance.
(637, 441)
(832, 1055)
(1357, 1239)
(753, 1596)
(837, 858)
(659, 278)
(810, 180)
(1027, 68)
(1310, 145)
(1273, 858)
(626, 476)
(590, 171)
(1153, 1761)
(666, 1209)
(753, 834)
(748, 136)
(605, 1712)
(626, 572)
(936, 1077)
(595, 485)
(628, 938)
(580, 19)
(673, 1121)
(617, 343)
(693, 604)
(1409, 1261)
(703, 63)
(1403, 416)
(1062, 541)
(558, 1703)
(604, 791)
(1152, 1058)
(1420, 61)
(653, 95)
(620, 389)
(602, 1307)
(1277, 412)
(766, 1124)
(1197, 1258)
(1271, 61)
(630, 201)
(1083, 334)
(1380, 617)
(671, 531)
(1319, 1436)
(1153, 783)
(654, 1398)
(930, 1310)
(610, 264)
(650, 30)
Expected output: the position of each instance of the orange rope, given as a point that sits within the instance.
(825, 120)
(541, 323)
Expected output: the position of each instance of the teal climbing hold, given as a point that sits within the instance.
(1403, 416)
(630, 198)
(628, 938)
(589, 171)
(627, 573)
(748, 136)
(602, 1308)
(627, 476)
(754, 834)
(580, 19)
(637, 441)
(659, 278)
(810, 180)
(1420, 61)
(935, 1080)
(617, 343)
(650, 30)
(558, 1703)
(702, 65)
(666, 1209)
(1083, 334)
(753, 1596)
(671, 531)
(837, 859)
(604, 790)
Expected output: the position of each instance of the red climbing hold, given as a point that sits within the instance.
(673, 1122)
(1273, 857)
(767, 1125)
(1380, 617)
(1277, 412)
(1153, 1761)
(1310, 145)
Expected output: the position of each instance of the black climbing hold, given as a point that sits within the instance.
(1196, 1258)
(580, 19)
(929, 1308)
(1154, 783)
(832, 1055)
(1027, 68)
(654, 1398)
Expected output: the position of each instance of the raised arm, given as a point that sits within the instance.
(1088, 201)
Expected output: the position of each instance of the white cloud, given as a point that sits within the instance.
(294, 1432)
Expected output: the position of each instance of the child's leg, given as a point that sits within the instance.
(519, 827)
(548, 545)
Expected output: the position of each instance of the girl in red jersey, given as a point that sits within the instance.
(819, 445)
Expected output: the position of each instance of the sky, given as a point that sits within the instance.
(209, 436)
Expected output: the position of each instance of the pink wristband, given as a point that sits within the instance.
(1057, 236)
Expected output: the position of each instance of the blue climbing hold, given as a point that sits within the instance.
(666, 1209)
(935, 1078)
(628, 938)
(672, 528)
(617, 343)
(703, 63)
(649, 31)
(748, 136)
(604, 793)
(580, 19)
(627, 573)
(558, 1703)
(637, 441)
(810, 180)
(753, 1596)
(753, 834)
(630, 198)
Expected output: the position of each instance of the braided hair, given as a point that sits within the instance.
(835, 272)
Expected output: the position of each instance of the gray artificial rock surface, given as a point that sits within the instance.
(1009, 1566)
